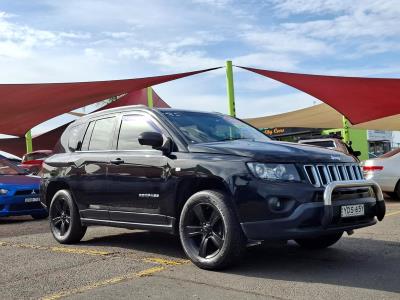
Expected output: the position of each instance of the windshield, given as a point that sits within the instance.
(8, 168)
(198, 127)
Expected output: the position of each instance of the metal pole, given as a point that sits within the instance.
(28, 140)
(150, 97)
(346, 133)
(230, 88)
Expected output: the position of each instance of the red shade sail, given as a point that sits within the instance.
(47, 141)
(23, 106)
(359, 99)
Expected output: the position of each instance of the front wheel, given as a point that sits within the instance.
(65, 222)
(210, 233)
(320, 242)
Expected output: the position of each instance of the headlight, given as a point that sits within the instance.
(274, 171)
(3, 192)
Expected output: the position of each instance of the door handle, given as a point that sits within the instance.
(117, 161)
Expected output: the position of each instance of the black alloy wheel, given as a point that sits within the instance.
(210, 232)
(205, 229)
(65, 221)
(60, 217)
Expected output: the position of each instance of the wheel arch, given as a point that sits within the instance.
(188, 187)
(53, 187)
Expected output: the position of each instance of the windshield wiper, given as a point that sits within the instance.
(234, 139)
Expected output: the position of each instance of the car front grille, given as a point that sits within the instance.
(323, 174)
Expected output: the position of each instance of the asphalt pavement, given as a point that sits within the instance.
(115, 263)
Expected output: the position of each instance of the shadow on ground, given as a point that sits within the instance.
(353, 262)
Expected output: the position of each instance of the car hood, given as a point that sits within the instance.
(273, 151)
(19, 180)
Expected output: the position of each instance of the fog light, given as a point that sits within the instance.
(275, 203)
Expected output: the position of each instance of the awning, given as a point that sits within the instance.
(24, 106)
(48, 140)
(320, 116)
(359, 99)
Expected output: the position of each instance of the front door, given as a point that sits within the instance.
(138, 175)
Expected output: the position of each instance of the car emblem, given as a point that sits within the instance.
(335, 157)
(33, 192)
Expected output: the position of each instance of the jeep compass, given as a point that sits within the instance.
(212, 179)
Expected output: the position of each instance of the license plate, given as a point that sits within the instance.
(29, 200)
(352, 210)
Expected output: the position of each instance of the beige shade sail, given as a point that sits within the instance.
(320, 116)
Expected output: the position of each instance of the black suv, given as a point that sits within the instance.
(214, 180)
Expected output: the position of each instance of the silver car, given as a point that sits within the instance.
(385, 170)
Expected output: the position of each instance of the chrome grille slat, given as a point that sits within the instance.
(323, 174)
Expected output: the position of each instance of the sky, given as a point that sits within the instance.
(87, 40)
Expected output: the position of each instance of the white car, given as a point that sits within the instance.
(385, 170)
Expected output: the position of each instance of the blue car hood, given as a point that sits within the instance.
(19, 180)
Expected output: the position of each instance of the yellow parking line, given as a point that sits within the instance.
(57, 249)
(106, 282)
(167, 262)
(392, 213)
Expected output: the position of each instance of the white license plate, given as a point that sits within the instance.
(352, 210)
(29, 200)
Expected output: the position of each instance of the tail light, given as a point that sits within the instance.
(372, 168)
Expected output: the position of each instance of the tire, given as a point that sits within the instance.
(65, 221)
(392, 195)
(396, 194)
(210, 232)
(320, 242)
(40, 216)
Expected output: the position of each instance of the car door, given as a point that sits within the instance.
(138, 176)
(93, 161)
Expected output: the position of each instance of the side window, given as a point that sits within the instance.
(88, 135)
(102, 134)
(131, 127)
(74, 137)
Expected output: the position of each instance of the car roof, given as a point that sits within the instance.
(135, 107)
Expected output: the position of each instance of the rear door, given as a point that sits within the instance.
(138, 175)
(94, 159)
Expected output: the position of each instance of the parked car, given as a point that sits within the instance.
(215, 181)
(11, 157)
(385, 170)
(33, 161)
(19, 192)
(333, 144)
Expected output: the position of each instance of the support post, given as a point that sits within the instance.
(150, 97)
(28, 141)
(230, 88)
(346, 133)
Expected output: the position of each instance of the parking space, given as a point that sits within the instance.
(119, 263)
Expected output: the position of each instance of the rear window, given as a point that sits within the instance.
(390, 153)
(74, 137)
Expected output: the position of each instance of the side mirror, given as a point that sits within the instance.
(357, 153)
(154, 139)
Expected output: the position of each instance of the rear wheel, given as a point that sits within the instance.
(65, 222)
(320, 242)
(210, 233)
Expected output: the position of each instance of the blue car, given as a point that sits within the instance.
(19, 192)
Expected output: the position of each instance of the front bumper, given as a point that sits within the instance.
(315, 219)
(16, 206)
